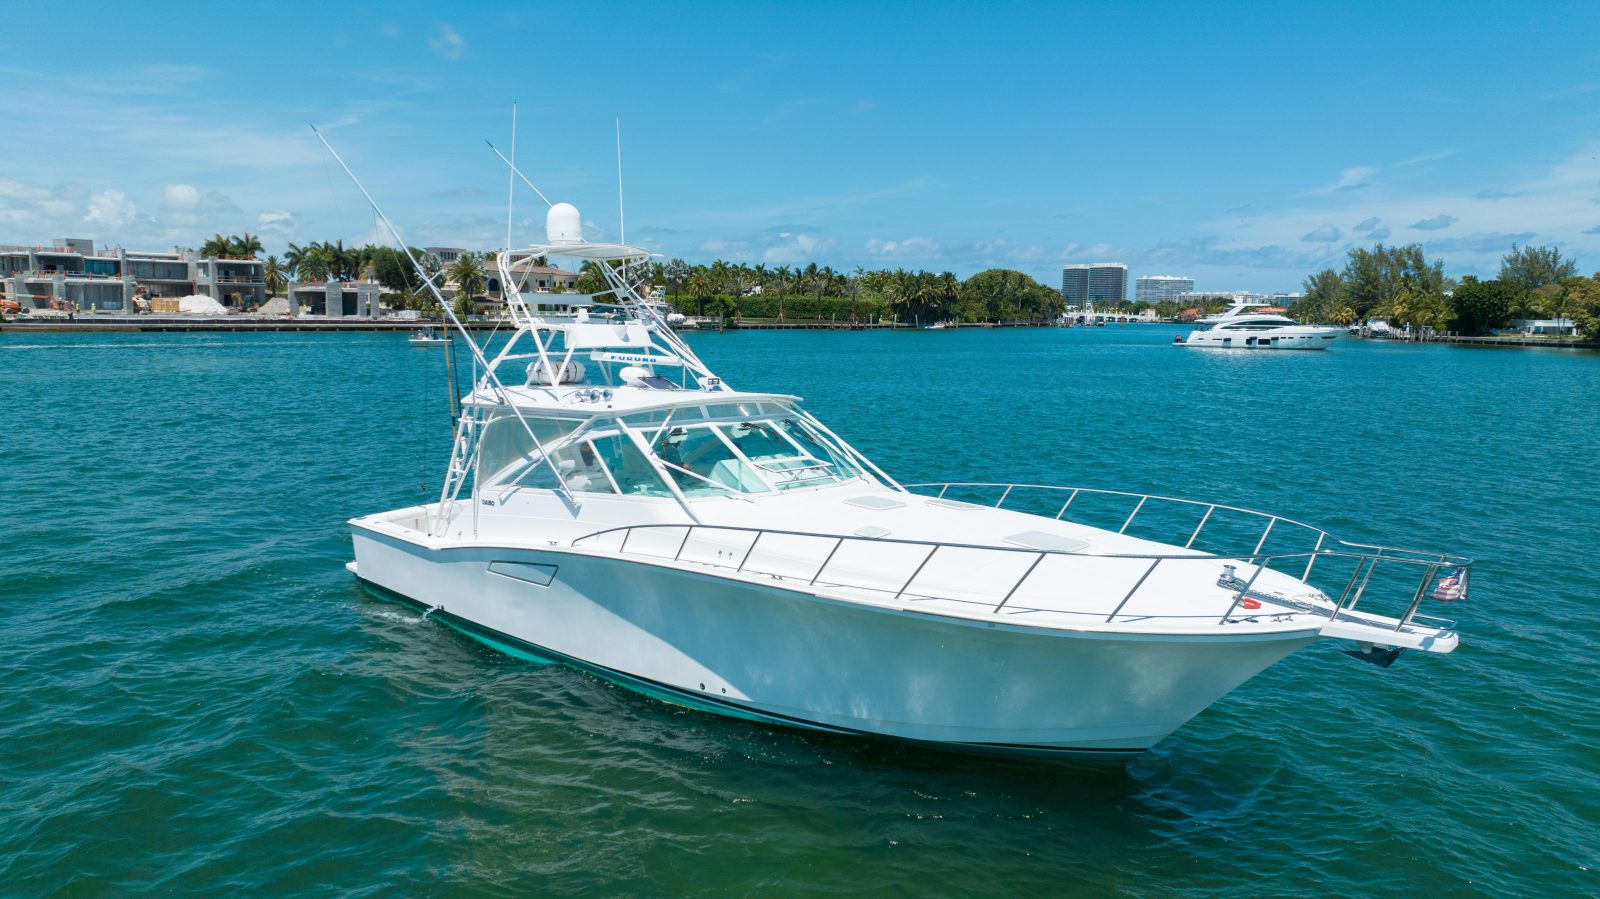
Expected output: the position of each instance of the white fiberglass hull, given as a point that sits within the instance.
(787, 656)
(1310, 339)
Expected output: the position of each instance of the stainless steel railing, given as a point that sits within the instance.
(1140, 500)
(735, 548)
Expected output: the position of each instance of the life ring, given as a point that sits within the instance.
(1246, 602)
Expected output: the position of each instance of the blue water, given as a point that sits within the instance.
(199, 698)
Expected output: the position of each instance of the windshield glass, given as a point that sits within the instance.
(700, 460)
(506, 452)
(714, 450)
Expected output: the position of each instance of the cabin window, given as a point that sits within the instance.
(506, 454)
(629, 469)
(788, 462)
(700, 459)
(841, 467)
(581, 469)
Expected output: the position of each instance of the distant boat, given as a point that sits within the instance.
(429, 336)
(1241, 328)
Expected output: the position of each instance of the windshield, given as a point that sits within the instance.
(716, 450)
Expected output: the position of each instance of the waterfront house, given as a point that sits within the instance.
(1544, 327)
(334, 299)
(70, 274)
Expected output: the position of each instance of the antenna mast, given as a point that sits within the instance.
(622, 221)
(511, 176)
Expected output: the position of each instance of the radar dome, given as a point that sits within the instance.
(562, 224)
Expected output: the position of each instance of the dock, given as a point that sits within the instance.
(1559, 343)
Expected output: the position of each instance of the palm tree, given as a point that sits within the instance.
(699, 287)
(245, 246)
(217, 246)
(341, 264)
(272, 273)
(467, 272)
(312, 264)
(292, 258)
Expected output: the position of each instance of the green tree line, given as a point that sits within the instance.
(728, 289)
(1401, 286)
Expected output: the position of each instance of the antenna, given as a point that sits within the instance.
(518, 172)
(511, 180)
(622, 221)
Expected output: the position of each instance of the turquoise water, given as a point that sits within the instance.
(198, 697)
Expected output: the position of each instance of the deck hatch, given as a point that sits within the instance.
(875, 502)
(1043, 540)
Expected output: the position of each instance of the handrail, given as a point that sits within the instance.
(1322, 534)
(1239, 590)
(1250, 558)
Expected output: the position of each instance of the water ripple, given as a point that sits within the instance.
(199, 699)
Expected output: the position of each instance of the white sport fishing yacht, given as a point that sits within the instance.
(612, 504)
(1240, 327)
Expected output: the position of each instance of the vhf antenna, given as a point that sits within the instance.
(511, 177)
(622, 220)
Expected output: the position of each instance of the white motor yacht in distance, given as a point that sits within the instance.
(1240, 328)
(612, 504)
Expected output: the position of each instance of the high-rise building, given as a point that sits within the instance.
(1098, 282)
(1161, 288)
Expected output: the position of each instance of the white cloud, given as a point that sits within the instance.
(110, 208)
(1324, 234)
(185, 209)
(908, 248)
(447, 42)
(277, 225)
(790, 248)
(182, 196)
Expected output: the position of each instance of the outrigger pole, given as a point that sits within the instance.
(518, 172)
(477, 353)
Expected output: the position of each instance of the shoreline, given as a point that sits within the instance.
(158, 324)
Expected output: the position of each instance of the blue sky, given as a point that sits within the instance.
(1244, 145)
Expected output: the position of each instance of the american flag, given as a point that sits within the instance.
(1452, 586)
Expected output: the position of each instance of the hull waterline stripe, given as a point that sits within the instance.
(677, 696)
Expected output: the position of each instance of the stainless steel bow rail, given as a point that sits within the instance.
(780, 555)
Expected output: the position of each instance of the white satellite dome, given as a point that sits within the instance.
(562, 224)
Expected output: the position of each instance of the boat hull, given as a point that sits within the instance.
(1237, 341)
(764, 652)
